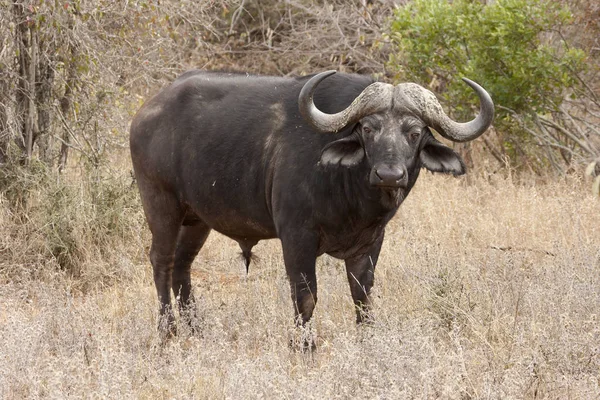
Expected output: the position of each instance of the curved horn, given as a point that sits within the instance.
(424, 103)
(376, 97)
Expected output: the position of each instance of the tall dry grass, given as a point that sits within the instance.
(79, 224)
(486, 288)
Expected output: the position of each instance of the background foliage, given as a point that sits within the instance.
(523, 51)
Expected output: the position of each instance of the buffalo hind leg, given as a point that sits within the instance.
(300, 253)
(190, 240)
(164, 216)
(361, 275)
(162, 256)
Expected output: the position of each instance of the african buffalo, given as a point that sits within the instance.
(322, 164)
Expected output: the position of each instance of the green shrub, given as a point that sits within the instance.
(504, 45)
(514, 48)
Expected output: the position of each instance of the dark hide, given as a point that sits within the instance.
(232, 153)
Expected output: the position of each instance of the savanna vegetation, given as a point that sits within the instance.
(487, 286)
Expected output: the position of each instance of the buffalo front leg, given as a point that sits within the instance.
(361, 275)
(300, 253)
(190, 240)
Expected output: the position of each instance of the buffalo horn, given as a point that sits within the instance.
(374, 98)
(423, 103)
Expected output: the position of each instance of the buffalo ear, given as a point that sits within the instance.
(437, 157)
(345, 152)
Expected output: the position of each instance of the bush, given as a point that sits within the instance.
(514, 48)
(76, 225)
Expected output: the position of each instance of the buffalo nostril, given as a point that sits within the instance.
(389, 175)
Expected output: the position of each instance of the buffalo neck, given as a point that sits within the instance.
(350, 197)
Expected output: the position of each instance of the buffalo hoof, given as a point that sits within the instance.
(191, 323)
(188, 327)
(304, 339)
(166, 331)
(303, 346)
(194, 327)
(365, 318)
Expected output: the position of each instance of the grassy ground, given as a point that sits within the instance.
(486, 288)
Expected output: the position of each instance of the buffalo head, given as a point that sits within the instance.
(391, 131)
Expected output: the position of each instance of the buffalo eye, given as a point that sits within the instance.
(366, 130)
(414, 135)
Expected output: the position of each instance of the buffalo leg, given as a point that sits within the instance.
(361, 275)
(164, 216)
(299, 254)
(190, 240)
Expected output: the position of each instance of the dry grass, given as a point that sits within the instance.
(485, 289)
